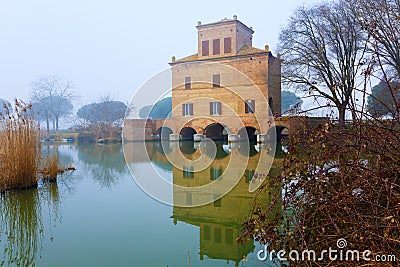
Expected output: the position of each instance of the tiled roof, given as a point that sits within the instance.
(249, 50)
(244, 51)
(188, 58)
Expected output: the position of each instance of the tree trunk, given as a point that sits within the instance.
(47, 124)
(342, 114)
(56, 124)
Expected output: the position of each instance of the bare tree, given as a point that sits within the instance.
(51, 97)
(323, 51)
(381, 20)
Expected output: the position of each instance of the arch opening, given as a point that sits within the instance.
(163, 133)
(278, 132)
(187, 133)
(249, 133)
(216, 131)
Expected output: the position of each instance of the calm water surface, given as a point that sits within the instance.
(98, 216)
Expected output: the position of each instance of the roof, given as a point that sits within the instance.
(244, 51)
(224, 21)
(249, 50)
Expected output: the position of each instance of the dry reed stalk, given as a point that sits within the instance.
(20, 147)
(51, 168)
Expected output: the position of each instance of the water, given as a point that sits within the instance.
(98, 216)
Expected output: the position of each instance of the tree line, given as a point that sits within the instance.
(52, 99)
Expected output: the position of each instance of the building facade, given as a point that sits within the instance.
(227, 87)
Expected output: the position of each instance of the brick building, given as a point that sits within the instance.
(227, 88)
(225, 80)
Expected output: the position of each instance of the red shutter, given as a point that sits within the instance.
(227, 45)
(205, 48)
(183, 109)
(211, 108)
(219, 108)
(216, 47)
(191, 109)
(253, 106)
(187, 82)
(246, 107)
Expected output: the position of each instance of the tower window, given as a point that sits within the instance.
(188, 172)
(215, 108)
(215, 173)
(188, 83)
(216, 47)
(205, 48)
(227, 45)
(250, 106)
(187, 109)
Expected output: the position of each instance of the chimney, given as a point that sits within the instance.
(267, 48)
(234, 17)
(199, 23)
(173, 59)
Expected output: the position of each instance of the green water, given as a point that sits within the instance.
(98, 216)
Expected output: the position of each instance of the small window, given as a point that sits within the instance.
(187, 109)
(188, 82)
(227, 45)
(228, 236)
(216, 80)
(250, 106)
(189, 198)
(249, 175)
(205, 48)
(188, 172)
(207, 232)
(217, 201)
(215, 173)
(216, 47)
(215, 108)
(217, 235)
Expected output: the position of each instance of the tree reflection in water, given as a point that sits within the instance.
(106, 162)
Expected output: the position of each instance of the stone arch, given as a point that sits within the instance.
(216, 131)
(248, 133)
(163, 133)
(278, 132)
(187, 133)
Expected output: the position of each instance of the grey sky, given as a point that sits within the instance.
(114, 46)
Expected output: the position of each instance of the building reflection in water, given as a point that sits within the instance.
(221, 220)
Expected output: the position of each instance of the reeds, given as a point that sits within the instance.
(51, 167)
(19, 147)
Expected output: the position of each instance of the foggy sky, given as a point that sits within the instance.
(114, 46)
